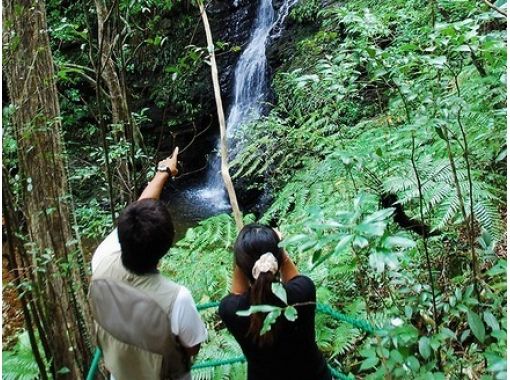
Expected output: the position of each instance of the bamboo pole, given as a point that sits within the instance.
(238, 217)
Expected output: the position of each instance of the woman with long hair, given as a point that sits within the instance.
(288, 351)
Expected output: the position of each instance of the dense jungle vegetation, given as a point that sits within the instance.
(382, 159)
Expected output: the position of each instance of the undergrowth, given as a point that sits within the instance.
(389, 124)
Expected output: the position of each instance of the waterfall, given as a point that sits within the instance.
(251, 76)
(251, 85)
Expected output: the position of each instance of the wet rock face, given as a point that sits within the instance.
(231, 22)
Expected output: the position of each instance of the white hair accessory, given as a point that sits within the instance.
(266, 263)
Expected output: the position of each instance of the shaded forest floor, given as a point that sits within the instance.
(12, 314)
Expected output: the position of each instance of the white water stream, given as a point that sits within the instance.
(251, 86)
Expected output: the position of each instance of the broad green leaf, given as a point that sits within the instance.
(369, 363)
(269, 320)
(502, 155)
(295, 239)
(376, 261)
(279, 291)
(438, 62)
(491, 320)
(344, 242)
(476, 326)
(371, 229)
(424, 347)
(318, 258)
(379, 215)
(257, 309)
(413, 363)
(398, 241)
(439, 132)
(360, 242)
(290, 313)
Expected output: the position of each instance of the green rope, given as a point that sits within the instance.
(322, 308)
(325, 309)
(219, 362)
(94, 365)
(242, 359)
(337, 374)
(358, 323)
(208, 305)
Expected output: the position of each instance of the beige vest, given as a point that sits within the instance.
(132, 315)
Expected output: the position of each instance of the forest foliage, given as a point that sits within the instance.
(384, 154)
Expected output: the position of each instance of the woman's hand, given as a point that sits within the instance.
(288, 269)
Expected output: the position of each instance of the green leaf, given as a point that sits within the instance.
(379, 215)
(270, 320)
(398, 241)
(63, 371)
(360, 242)
(413, 363)
(369, 363)
(290, 313)
(317, 259)
(376, 261)
(371, 229)
(279, 291)
(424, 347)
(344, 242)
(463, 48)
(295, 239)
(257, 309)
(491, 320)
(408, 311)
(502, 155)
(439, 132)
(438, 62)
(476, 326)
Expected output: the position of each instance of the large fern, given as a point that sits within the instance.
(443, 205)
(20, 364)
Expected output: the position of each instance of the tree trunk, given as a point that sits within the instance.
(55, 251)
(122, 124)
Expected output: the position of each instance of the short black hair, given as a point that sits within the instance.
(146, 233)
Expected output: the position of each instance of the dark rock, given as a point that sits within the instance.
(231, 23)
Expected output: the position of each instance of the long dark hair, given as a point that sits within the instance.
(253, 241)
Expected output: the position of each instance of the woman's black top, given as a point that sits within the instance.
(294, 355)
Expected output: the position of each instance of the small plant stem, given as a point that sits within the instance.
(470, 222)
(454, 172)
(424, 236)
(492, 6)
(433, 12)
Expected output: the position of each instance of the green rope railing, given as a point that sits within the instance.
(218, 362)
(358, 323)
(325, 309)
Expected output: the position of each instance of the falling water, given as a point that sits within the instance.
(251, 84)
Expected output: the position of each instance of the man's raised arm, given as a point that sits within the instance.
(166, 169)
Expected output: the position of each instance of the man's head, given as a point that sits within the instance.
(145, 232)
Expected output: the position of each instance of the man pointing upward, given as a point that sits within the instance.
(147, 326)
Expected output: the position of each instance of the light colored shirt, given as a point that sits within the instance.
(185, 320)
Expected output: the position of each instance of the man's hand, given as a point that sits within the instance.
(154, 187)
(171, 162)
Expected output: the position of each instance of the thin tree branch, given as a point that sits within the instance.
(492, 6)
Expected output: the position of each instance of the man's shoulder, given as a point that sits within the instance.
(108, 249)
(167, 283)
